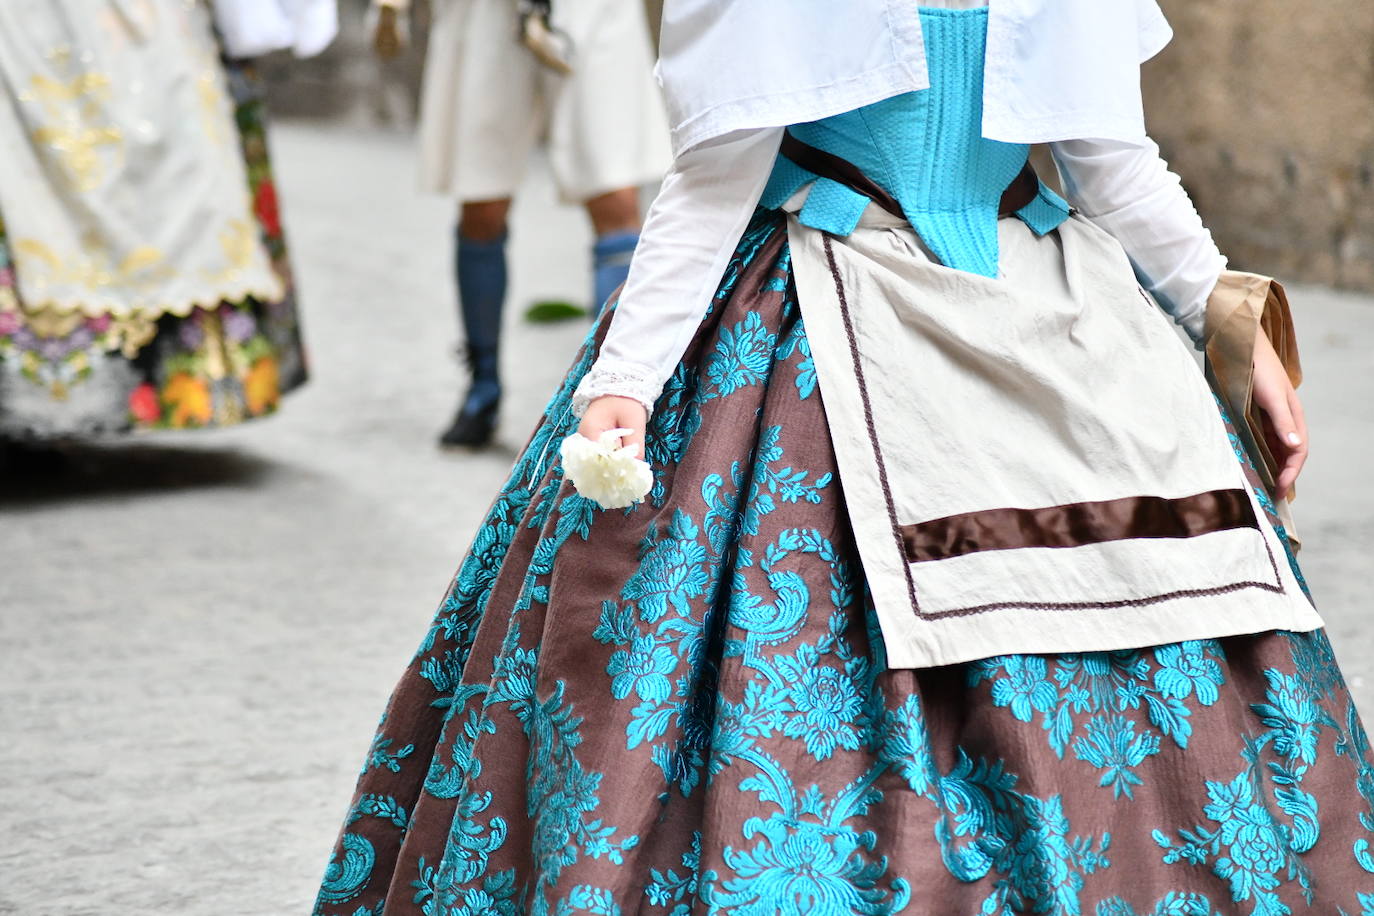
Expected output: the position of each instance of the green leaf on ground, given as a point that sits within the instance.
(549, 311)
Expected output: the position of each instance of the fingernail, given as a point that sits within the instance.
(1294, 439)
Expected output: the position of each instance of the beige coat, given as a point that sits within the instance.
(488, 102)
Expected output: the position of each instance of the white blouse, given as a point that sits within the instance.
(710, 193)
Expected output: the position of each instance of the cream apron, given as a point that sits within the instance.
(1032, 463)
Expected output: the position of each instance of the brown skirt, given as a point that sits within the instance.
(684, 707)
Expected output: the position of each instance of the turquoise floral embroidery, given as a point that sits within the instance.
(1257, 834)
(1176, 904)
(1111, 744)
(1075, 697)
(800, 869)
(826, 704)
(349, 869)
(669, 887)
(642, 670)
(787, 484)
(587, 899)
(719, 584)
(1024, 688)
(743, 357)
(1354, 743)
(1293, 715)
(796, 342)
(676, 419)
(348, 872)
(1366, 904)
(671, 572)
(382, 755)
(1248, 847)
(1188, 670)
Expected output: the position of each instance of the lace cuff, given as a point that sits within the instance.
(622, 379)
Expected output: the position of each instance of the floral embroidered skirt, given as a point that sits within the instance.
(65, 374)
(684, 708)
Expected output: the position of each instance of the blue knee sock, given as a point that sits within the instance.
(610, 265)
(481, 270)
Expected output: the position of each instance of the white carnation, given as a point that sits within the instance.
(606, 473)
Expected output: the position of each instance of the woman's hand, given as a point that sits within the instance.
(1285, 428)
(612, 412)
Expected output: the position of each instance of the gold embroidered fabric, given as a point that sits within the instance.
(121, 178)
(1242, 306)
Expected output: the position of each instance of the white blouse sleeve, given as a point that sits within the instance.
(1128, 190)
(691, 231)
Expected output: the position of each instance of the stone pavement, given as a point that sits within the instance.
(200, 630)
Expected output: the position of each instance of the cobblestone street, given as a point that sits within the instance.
(199, 630)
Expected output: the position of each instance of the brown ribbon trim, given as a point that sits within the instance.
(1022, 190)
(1078, 524)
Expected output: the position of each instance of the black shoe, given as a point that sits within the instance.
(475, 421)
(471, 428)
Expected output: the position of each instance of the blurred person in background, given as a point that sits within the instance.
(144, 277)
(502, 76)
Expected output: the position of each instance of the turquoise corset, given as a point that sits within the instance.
(926, 149)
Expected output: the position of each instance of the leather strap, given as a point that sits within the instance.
(1022, 190)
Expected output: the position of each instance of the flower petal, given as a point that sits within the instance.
(604, 472)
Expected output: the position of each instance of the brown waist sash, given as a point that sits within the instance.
(1020, 192)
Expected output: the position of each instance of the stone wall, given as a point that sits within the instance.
(1266, 108)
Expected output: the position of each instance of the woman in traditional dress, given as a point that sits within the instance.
(954, 593)
(144, 280)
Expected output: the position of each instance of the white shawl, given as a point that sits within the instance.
(1055, 69)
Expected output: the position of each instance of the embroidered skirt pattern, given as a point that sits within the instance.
(684, 707)
(72, 374)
